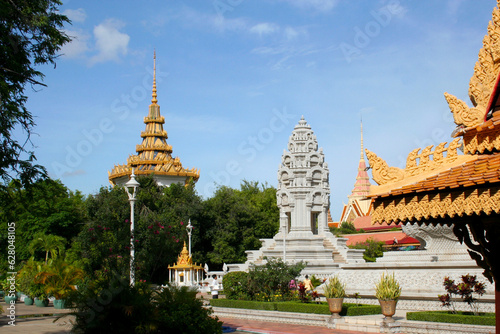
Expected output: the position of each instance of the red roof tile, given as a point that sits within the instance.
(485, 169)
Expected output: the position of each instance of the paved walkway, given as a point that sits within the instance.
(44, 323)
(280, 328)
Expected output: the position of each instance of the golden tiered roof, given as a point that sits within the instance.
(184, 261)
(451, 188)
(441, 183)
(154, 155)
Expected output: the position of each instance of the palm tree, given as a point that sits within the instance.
(48, 243)
(60, 278)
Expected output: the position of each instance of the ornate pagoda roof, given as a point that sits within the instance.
(154, 155)
(184, 261)
(450, 184)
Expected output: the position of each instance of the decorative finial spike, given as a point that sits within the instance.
(362, 152)
(154, 100)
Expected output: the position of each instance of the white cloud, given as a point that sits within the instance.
(264, 28)
(76, 15)
(78, 45)
(110, 42)
(320, 5)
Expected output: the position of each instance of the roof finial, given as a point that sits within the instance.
(362, 153)
(154, 100)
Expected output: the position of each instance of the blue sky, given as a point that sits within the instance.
(235, 76)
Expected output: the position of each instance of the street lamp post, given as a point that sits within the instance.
(131, 189)
(189, 229)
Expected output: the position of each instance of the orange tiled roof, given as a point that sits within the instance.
(484, 169)
(386, 237)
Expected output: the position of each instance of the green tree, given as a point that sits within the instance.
(237, 219)
(30, 35)
(47, 243)
(45, 206)
(161, 215)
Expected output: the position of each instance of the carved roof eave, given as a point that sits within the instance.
(437, 206)
(386, 189)
(188, 173)
(186, 266)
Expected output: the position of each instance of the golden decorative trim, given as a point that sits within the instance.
(480, 142)
(383, 174)
(160, 120)
(162, 134)
(483, 80)
(437, 205)
(156, 147)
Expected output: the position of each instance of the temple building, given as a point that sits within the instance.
(154, 155)
(303, 199)
(357, 209)
(358, 212)
(184, 272)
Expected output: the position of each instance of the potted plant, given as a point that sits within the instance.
(5, 285)
(60, 280)
(26, 280)
(388, 291)
(41, 298)
(334, 291)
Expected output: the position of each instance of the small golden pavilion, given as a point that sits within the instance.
(184, 272)
(459, 190)
(154, 155)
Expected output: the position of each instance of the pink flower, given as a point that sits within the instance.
(156, 232)
(126, 220)
(182, 223)
(161, 226)
(150, 226)
(110, 249)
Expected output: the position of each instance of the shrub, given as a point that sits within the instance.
(486, 319)
(120, 308)
(373, 249)
(271, 281)
(235, 285)
(465, 290)
(334, 288)
(322, 308)
(246, 304)
(387, 288)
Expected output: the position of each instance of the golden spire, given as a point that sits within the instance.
(154, 100)
(362, 152)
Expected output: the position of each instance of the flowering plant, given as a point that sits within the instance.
(465, 290)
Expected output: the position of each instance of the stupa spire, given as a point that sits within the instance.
(154, 100)
(362, 157)
(362, 185)
(154, 155)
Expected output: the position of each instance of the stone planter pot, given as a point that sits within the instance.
(9, 298)
(388, 309)
(59, 304)
(41, 302)
(28, 301)
(335, 306)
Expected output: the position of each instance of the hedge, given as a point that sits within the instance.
(248, 304)
(347, 309)
(486, 319)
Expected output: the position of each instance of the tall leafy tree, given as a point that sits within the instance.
(237, 219)
(45, 206)
(48, 243)
(30, 35)
(162, 214)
